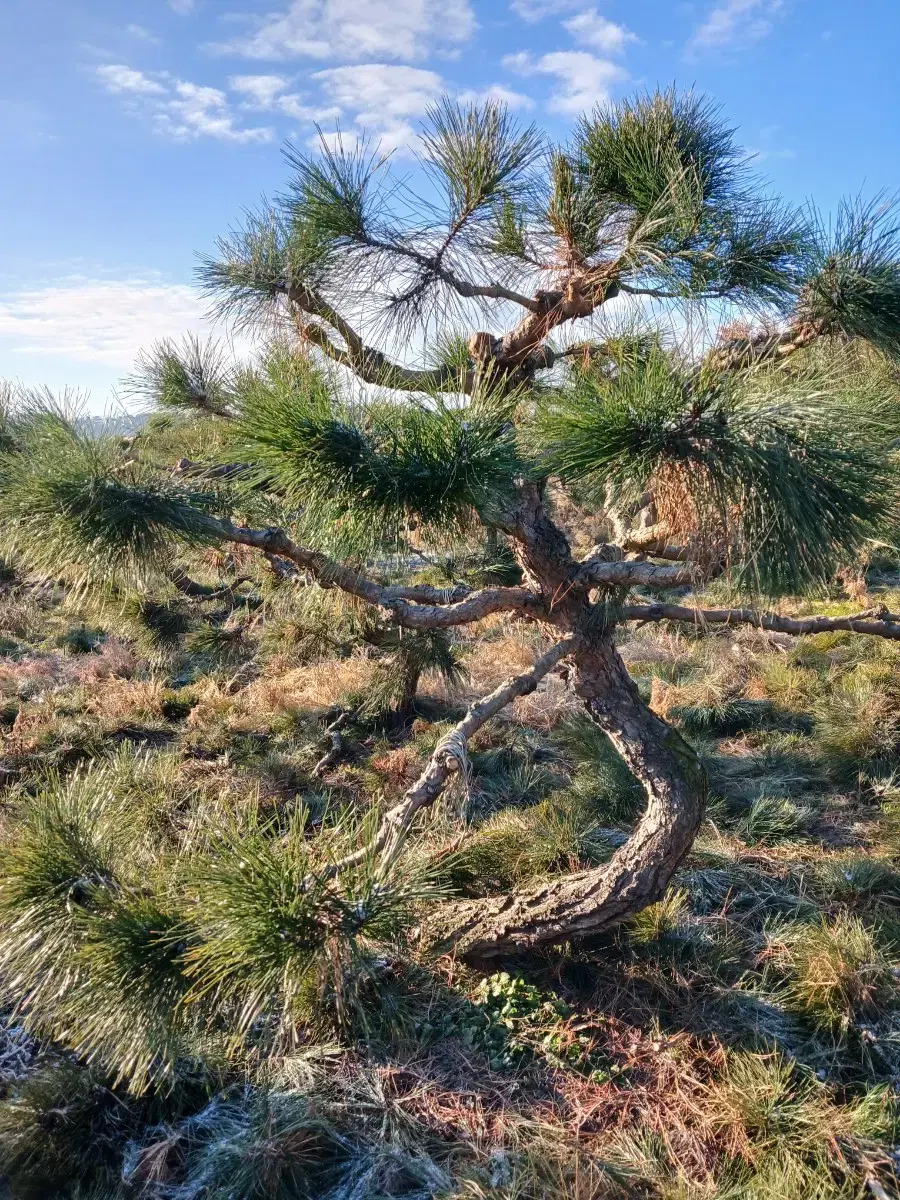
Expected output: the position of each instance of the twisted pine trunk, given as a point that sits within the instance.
(591, 902)
(558, 595)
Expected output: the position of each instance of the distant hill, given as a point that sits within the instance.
(122, 423)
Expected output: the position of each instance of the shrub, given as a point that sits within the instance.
(601, 778)
(834, 971)
(773, 819)
(858, 725)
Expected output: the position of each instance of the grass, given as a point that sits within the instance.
(194, 1008)
(771, 819)
(836, 972)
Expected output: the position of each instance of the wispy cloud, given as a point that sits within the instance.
(589, 28)
(97, 321)
(182, 7)
(381, 98)
(261, 90)
(537, 10)
(118, 78)
(179, 109)
(583, 80)
(736, 24)
(271, 93)
(350, 31)
(141, 34)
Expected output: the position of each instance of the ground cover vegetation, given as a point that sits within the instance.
(478, 778)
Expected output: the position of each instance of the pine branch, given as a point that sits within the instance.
(654, 542)
(851, 290)
(367, 363)
(653, 293)
(186, 468)
(199, 591)
(335, 745)
(634, 574)
(400, 602)
(449, 755)
(489, 291)
(761, 462)
(372, 366)
(758, 349)
(583, 293)
(658, 549)
(878, 621)
(433, 266)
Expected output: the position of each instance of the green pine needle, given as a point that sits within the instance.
(193, 376)
(854, 284)
(69, 503)
(89, 958)
(279, 937)
(665, 167)
(257, 263)
(795, 488)
(479, 154)
(635, 151)
(335, 194)
(366, 470)
(395, 681)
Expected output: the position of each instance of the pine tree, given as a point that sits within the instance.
(759, 457)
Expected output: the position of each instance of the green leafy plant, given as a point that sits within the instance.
(513, 1021)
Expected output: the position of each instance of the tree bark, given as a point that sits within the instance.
(593, 901)
(876, 622)
(411, 679)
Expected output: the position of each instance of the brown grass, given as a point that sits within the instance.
(41, 674)
(304, 689)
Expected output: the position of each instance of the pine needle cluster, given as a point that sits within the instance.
(70, 501)
(141, 961)
(366, 471)
(786, 488)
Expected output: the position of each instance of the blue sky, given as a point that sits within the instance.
(135, 131)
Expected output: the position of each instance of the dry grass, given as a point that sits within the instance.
(125, 699)
(41, 674)
(705, 1021)
(835, 971)
(492, 661)
(319, 686)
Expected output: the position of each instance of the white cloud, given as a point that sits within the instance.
(181, 110)
(85, 332)
(583, 80)
(97, 321)
(536, 10)
(503, 95)
(141, 34)
(182, 7)
(197, 111)
(350, 30)
(262, 90)
(382, 98)
(118, 78)
(292, 105)
(269, 93)
(593, 30)
(736, 23)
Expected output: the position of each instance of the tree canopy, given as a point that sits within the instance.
(731, 415)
